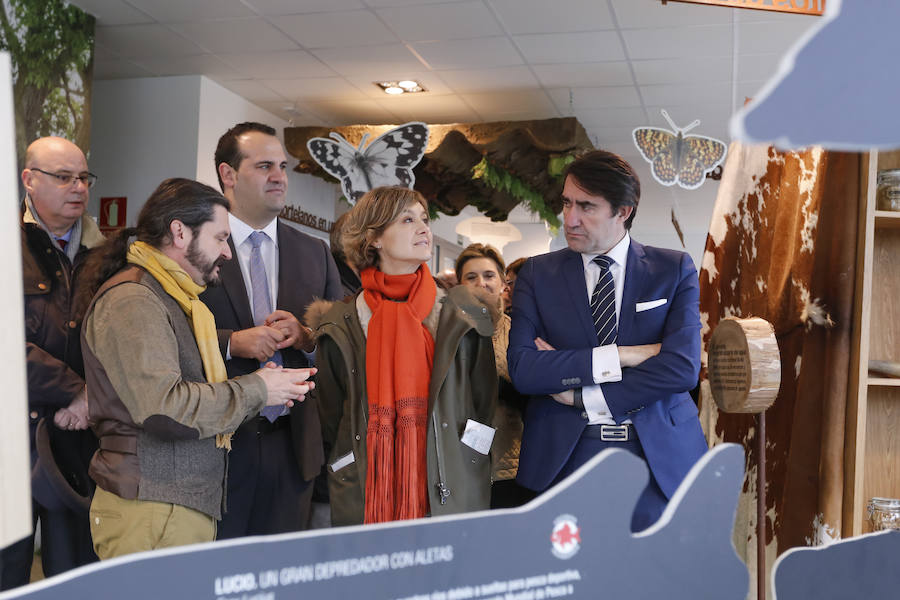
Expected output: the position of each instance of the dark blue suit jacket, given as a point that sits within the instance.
(306, 271)
(551, 302)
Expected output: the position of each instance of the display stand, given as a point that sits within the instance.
(744, 377)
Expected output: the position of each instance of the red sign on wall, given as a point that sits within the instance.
(112, 214)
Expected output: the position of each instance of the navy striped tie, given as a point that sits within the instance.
(262, 305)
(603, 303)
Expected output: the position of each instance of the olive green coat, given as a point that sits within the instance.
(463, 386)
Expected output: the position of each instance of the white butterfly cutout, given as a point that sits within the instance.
(388, 160)
(678, 158)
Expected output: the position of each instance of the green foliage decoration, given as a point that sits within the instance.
(51, 44)
(556, 165)
(501, 179)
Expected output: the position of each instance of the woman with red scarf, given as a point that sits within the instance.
(407, 383)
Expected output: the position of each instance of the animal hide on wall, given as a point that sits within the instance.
(782, 246)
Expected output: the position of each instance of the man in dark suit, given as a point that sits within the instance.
(606, 338)
(275, 274)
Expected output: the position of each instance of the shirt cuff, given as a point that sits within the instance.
(228, 350)
(595, 405)
(605, 364)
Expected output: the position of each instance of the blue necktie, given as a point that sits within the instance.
(603, 303)
(262, 305)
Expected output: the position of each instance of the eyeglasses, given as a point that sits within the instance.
(65, 179)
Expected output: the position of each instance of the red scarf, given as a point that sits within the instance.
(399, 357)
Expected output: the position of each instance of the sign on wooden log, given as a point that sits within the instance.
(744, 365)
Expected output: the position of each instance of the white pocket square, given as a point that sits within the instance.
(642, 306)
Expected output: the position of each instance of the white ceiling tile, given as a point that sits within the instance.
(336, 88)
(711, 69)
(337, 29)
(475, 80)
(373, 59)
(118, 68)
(767, 37)
(748, 89)
(252, 34)
(293, 7)
(622, 148)
(750, 16)
(673, 42)
(171, 11)
(427, 79)
(204, 64)
(112, 12)
(589, 46)
(756, 67)
(278, 65)
(354, 112)
(595, 97)
(686, 95)
(251, 90)
(713, 117)
(134, 41)
(469, 54)
(387, 3)
(441, 21)
(617, 135)
(101, 51)
(652, 13)
(612, 117)
(584, 74)
(290, 113)
(522, 101)
(541, 16)
(437, 109)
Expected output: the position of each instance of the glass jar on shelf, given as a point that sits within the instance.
(887, 195)
(883, 513)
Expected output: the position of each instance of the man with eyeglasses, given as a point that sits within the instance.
(56, 236)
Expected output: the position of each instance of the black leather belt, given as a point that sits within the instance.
(263, 425)
(611, 433)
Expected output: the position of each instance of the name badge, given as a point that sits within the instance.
(478, 436)
(347, 459)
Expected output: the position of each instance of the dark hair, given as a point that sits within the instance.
(479, 251)
(177, 199)
(228, 151)
(513, 267)
(602, 173)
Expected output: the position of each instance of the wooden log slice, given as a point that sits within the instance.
(744, 365)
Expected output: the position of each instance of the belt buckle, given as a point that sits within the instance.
(614, 433)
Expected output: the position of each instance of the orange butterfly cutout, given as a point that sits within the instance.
(678, 158)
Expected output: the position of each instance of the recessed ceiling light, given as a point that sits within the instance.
(406, 86)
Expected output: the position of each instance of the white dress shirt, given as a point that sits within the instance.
(605, 360)
(240, 234)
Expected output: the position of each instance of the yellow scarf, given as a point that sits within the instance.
(179, 285)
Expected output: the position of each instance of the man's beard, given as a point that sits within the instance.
(206, 267)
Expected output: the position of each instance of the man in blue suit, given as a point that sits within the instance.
(605, 338)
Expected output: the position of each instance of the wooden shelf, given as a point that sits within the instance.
(883, 382)
(887, 219)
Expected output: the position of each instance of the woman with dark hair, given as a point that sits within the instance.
(480, 267)
(406, 375)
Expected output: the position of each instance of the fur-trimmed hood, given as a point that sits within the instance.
(464, 297)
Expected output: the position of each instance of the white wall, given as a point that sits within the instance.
(142, 131)
(146, 130)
